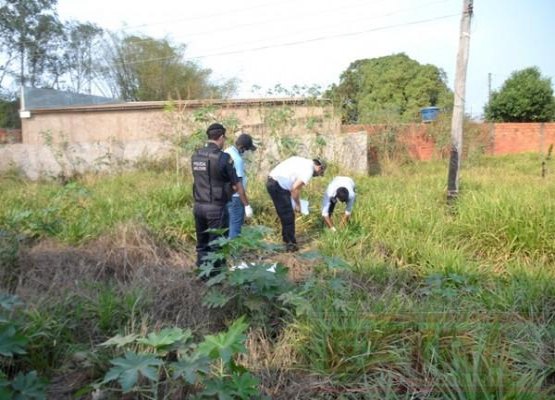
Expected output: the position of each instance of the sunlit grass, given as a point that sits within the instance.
(434, 301)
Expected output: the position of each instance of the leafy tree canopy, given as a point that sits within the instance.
(389, 89)
(144, 69)
(525, 96)
(39, 50)
(29, 31)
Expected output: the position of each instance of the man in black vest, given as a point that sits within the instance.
(214, 181)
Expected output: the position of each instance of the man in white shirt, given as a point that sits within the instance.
(341, 188)
(237, 212)
(285, 183)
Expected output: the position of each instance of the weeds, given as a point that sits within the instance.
(160, 364)
(407, 301)
(14, 382)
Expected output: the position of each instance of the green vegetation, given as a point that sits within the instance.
(139, 81)
(413, 299)
(389, 89)
(40, 50)
(525, 96)
(23, 385)
(9, 115)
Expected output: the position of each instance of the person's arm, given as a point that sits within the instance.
(238, 187)
(348, 210)
(345, 219)
(296, 194)
(325, 210)
(328, 222)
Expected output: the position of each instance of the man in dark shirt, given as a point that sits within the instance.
(214, 177)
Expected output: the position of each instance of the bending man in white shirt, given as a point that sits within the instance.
(285, 183)
(341, 188)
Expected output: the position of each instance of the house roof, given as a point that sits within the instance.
(157, 105)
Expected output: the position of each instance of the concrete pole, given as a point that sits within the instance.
(458, 106)
(489, 87)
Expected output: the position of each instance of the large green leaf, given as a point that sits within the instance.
(217, 388)
(9, 302)
(166, 337)
(120, 341)
(225, 345)
(216, 298)
(29, 386)
(126, 370)
(243, 386)
(5, 390)
(11, 342)
(190, 367)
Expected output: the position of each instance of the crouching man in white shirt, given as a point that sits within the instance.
(341, 188)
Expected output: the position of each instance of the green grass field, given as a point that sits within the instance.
(414, 299)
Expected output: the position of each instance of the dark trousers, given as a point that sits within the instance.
(284, 209)
(209, 216)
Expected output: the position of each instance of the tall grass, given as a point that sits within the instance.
(431, 302)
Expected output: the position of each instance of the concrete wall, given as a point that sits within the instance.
(155, 120)
(37, 161)
(106, 137)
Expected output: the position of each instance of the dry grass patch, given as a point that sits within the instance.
(129, 259)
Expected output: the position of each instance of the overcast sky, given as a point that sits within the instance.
(311, 42)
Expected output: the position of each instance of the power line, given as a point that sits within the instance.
(343, 23)
(266, 22)
(298, 42)
(304, 16)
(262, 22)
(274, 20)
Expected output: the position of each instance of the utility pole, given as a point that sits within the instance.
(489, 87)
(458, 106)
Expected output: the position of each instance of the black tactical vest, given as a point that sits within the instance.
(209, 185)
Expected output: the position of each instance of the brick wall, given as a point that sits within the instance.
(413, 139)
(8, 136)
(512, 138)
(429, 141)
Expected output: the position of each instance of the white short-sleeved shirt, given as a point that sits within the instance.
(239, 165)
(331, 190)
(289, 171)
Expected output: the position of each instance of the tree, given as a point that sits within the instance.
(389, 89)
(143, 68)
(30, 29)
(525, 96)
(9, 114)
(78, 60)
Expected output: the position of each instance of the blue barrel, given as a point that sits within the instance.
(429, 114)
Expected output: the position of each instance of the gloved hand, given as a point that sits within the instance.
(248, 211)
(333, 229)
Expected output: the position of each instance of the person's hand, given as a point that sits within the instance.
(333, 229)
(297, 208)
(248, 211)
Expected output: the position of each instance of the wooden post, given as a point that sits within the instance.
(458, 105)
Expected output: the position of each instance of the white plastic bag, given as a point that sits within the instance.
(244, 265)
(304, 206)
